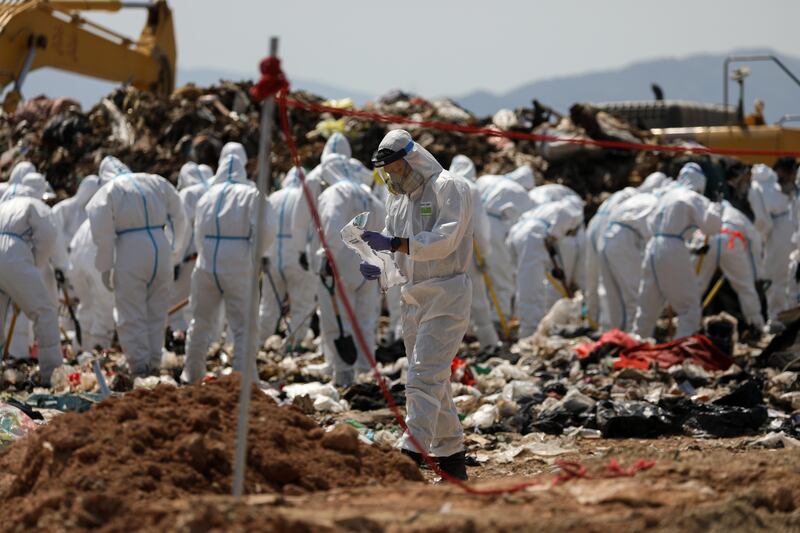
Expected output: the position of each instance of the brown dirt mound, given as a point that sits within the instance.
(83, 470)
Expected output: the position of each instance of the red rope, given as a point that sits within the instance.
(490, 132)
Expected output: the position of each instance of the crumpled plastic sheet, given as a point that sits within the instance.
(14, 424)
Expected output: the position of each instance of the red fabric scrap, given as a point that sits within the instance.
(697, 349)
(614, 336)
(272, 79)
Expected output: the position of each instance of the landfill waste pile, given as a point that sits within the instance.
(158, 135)
(82, 470)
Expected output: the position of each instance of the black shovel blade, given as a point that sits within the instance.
(346, 349)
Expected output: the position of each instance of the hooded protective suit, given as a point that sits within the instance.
(34, 185)
(338, 205)
(736, 251)
(621, 255)
(288, 277)
(128, 217)
(505, 201)
(336, 144)
(233, 148)
(27, 241)
(595, 286)
(224, 234)
(481, 311)
(96, 309)
(193, 181)
(524, 176)
(571, 252)
(71, 213)
(15, 178)
(436, 219)
(774, 221)
(667, 270)
(526, 240)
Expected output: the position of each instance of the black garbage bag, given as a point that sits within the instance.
(634, 419)
(748, 394)
(522, 421)
(712, 420)
(368, 396)
(391, 353)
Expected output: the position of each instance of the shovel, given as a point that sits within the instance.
(345, 346)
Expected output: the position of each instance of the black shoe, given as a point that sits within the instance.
(415, 456)
(455, 465)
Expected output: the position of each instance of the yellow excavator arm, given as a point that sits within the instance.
(52, 33)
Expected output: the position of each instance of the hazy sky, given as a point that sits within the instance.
(437, 47)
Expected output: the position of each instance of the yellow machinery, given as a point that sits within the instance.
(52, 33)
(771, 137)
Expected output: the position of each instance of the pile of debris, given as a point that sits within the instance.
(84, 469)
(158, 135)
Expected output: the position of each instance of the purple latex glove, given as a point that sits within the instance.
(377, 241)
(369, 271)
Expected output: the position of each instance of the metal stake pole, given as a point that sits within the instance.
(249, 368)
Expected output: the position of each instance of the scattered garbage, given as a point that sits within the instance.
(14, 424)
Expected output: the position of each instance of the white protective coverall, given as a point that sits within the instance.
(17, 173)
(27, 241)
(193, 182)
(571, 248)
(437, 221)
(70, 214)
(287, 277)
(96, 309)
(505, 201)
(338, 205)
(774, 221)
(128, 217)
(526, 241)
(34, 185)
(736, 251)
(524, 176)
(224, 235)
(621, 253)
(667, 270)
(481, 310)
(236, 149)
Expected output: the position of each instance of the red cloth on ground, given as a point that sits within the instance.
(697, 349)
(614, 336)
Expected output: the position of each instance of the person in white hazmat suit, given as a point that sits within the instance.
(595, 289)
(570, 248)
(34, 185)
(481, 310)
(736, 251)
(667, 270)
(95, 311)
(621, 254)
(128, 217)
(772, 208)
(529, 240)
(429, 227)
(505, 201)
(288, 276)
(338, 205)
(27, 242)
(193, 182)
(224, 235)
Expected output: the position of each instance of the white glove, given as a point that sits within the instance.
(108, 279)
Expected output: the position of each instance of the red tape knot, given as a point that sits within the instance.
(272, 79)
(732, 236)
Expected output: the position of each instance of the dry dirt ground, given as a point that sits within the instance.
(695, 485)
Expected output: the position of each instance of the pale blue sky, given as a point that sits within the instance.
(437, 47)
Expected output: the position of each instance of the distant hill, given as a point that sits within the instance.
(697, 77)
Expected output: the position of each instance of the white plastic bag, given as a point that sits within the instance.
(351, 235)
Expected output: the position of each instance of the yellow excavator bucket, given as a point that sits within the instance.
(42, 33)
